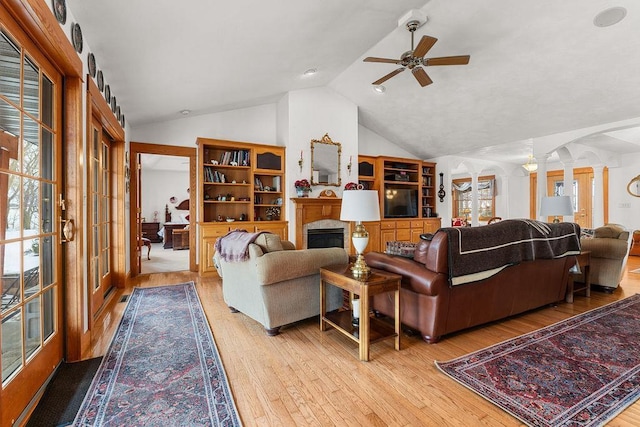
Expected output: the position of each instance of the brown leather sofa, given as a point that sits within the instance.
(431, 305)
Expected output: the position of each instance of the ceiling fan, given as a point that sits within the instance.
(414, 59)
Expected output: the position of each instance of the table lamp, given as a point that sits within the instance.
(358, 206)
(556, 206)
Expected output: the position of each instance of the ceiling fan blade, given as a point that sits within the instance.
(421, 76)
(426, 43)
(388, 76)
(385, 60)
(448, 60)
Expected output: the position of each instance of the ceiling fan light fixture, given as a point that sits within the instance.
(379, 89)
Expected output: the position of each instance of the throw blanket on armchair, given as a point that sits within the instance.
(233, 246)
(476, 253)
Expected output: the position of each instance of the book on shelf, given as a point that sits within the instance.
(276, 183)
(235, 158)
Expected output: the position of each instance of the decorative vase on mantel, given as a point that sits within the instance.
(302, 192)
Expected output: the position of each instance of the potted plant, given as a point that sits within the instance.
(303, 187)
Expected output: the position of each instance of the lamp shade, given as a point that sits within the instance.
(556, 206)
(360, 205)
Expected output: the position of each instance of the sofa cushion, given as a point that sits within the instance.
(609, 231)
(269, 242)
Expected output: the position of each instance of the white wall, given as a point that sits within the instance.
(158, 187)
(623, 208)
(254, 124)
(310, 114)
(372, 144)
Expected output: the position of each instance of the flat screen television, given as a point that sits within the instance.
(401, 203)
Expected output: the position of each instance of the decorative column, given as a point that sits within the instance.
(568, 187)
(541, 160)
(597, 209)
(474, 199)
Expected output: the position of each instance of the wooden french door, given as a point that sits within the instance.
(582, 192)
(31, 210)
(100, 215)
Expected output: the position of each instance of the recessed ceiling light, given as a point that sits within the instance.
(379, 89)
(185, 112)
(310, 72)
(609, 17)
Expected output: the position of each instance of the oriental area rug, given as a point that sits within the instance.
(581, 371)
(162, 367)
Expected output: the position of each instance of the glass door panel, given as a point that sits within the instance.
(30, 105)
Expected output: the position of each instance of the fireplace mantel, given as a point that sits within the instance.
(310, 209)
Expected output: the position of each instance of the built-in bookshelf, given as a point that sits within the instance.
(367, 172)
(403, 179)
(241, 187)
(428, 190)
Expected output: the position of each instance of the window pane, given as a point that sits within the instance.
(31, 147)
(46, 260)
(48, 312)
(31, 266)
(47, 208)
(47, 101)
(96, 273)
(13, 202)
(10, 122)
(96, 240)
(96, 209)
(10, 66)
(11, 279)
(11, 344)
(32, 323)
(31, 206)
(46, 154)
(31, 82)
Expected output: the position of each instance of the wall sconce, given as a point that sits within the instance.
(300, 161)
(349, 166)
(441, 192)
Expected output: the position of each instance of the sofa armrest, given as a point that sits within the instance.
(288, 246)
(415, 276)
(274, 267)
(605, 248)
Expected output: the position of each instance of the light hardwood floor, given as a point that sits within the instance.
(304, 377)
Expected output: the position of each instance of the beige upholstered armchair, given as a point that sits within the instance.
(609, 252)
(278, 285)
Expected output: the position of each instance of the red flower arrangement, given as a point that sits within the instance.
(352, 186)
(302, 184)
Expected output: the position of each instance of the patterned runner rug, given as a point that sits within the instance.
(162, 367)
(581, 371)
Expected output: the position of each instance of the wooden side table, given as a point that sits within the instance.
(584, 261)
(369, 330)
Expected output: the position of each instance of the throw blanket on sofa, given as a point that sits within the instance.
(476, 253)
(233, 246)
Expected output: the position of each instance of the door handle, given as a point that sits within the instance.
(68, 230)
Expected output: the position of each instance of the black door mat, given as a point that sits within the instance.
(64, 394)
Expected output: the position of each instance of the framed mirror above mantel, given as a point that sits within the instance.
(325, 162)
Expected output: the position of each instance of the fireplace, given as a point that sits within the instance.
(320, 214)
(325, 238)
(326, 233)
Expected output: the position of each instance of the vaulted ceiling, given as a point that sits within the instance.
(538, 67)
